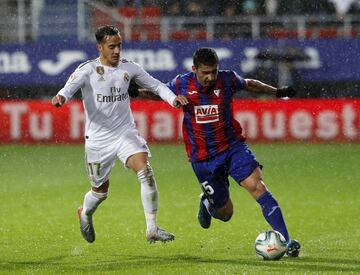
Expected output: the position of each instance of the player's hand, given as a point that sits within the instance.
(286, 92)
(179, 101)
(58, 101)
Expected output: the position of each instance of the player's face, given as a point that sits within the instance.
(110, 49)
(206, 75)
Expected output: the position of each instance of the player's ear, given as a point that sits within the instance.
(99, 47)
(193, 68)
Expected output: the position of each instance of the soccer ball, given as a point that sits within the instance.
(270, 245)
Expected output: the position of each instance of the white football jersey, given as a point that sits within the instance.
(106, 99)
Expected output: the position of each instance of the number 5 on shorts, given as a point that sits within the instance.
(207, 188)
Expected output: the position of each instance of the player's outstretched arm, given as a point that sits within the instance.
(58, 101)
(136, 91)
(257, 86)
(146, 94)
(286, 92)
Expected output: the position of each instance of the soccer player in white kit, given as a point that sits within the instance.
(110, 130)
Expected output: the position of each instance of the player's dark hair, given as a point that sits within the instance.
(103, 31)
(205, 56)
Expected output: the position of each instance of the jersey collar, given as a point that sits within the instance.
(108, 67)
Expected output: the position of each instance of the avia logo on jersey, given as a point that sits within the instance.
(206, 113)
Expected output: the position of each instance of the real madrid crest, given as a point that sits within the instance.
(100, 70)
(126, 77)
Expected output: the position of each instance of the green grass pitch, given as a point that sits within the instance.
(317, 187)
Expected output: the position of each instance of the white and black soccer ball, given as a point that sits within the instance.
(270, 245)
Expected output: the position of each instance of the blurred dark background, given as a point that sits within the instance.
(301, 25)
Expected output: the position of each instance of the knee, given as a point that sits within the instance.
(102, 189)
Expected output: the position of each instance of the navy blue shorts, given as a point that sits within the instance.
(238, 162)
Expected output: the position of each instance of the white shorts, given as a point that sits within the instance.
(100, 160)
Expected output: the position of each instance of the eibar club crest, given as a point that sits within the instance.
(126, 77)
(217, 92)
(100, 70)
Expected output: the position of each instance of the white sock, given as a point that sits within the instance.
(149, 196)
(91, 202)
(150, 222)
(207, 205)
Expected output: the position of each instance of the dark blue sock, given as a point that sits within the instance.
(272, 213)
(210, 208)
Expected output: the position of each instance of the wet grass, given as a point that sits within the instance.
(316, 185)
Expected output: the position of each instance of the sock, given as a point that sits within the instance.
(211, 210)
(272, 213)
(91, 202)
(149, 196)
(150, 222)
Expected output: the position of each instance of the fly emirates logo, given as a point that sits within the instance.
(206, 113)
(115, 96)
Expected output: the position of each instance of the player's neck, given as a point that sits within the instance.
(104, 62)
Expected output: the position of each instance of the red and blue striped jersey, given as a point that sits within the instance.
(209, 126)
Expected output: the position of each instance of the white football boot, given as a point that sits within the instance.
(86, 227)
(159, 235)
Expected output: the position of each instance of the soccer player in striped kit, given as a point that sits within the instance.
(215, 144)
